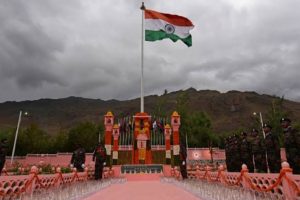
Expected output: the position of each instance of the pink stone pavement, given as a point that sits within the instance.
(142, 190)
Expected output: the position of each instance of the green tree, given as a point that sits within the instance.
(86, 134)
(275, 113)
(33, 140)
(182, 109)
(8, 133)
(160, 107)
(196, 125)
(199, 131)
(60, 142)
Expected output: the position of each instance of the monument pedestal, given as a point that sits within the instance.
(142, 147)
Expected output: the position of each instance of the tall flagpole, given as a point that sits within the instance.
(142, 59)
(16, 137)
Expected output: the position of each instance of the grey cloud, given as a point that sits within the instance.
(26, 50)
(92, 48)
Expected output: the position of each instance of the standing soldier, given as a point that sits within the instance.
(78, 158)
(230, 156)
(183, 156)
(227, 153)
(245, 150)
(292, 145)
(258, 151)
(236, 155)
(272, 149)
(3, 151)
(99, 157)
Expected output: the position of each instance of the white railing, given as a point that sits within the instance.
(13, 187)
(284, 184)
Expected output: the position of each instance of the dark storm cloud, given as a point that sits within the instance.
(26, 51)
(92, 48)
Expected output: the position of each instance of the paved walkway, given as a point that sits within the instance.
(142, 190)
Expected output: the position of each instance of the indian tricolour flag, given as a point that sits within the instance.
(159, 26)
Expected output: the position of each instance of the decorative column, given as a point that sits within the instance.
(116, 133)
(289, 191)
(168, 143)
(141, 153)
(108, 123)
(175, 123)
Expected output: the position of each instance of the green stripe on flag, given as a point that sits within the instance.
(160, 35)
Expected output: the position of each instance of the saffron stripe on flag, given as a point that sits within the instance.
(173, 19)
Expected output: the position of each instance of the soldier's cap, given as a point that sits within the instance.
(285, 120)
(254, 130)
(267, 126)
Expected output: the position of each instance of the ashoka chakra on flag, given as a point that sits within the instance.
(169, 29)
(159, 26)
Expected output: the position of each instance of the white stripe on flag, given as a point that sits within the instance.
(158, 24)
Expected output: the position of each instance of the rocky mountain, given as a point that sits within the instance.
(228, 111)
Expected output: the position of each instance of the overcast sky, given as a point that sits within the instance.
(92, 48)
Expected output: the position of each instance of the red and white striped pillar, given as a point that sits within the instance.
(175, 123)
(168, 143)
(108, 123)
(116, 133)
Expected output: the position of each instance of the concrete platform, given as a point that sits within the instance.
(142, 190)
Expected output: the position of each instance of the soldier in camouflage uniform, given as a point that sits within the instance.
(3, 151)
(272, 149)
(245, 150)
(235, 152)
(183, 157)
(78, 158)
(258, 152)
(227, 153)
(99, 156)
(292, 145)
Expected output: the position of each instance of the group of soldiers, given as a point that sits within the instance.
(262, 154)
(99, 157)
